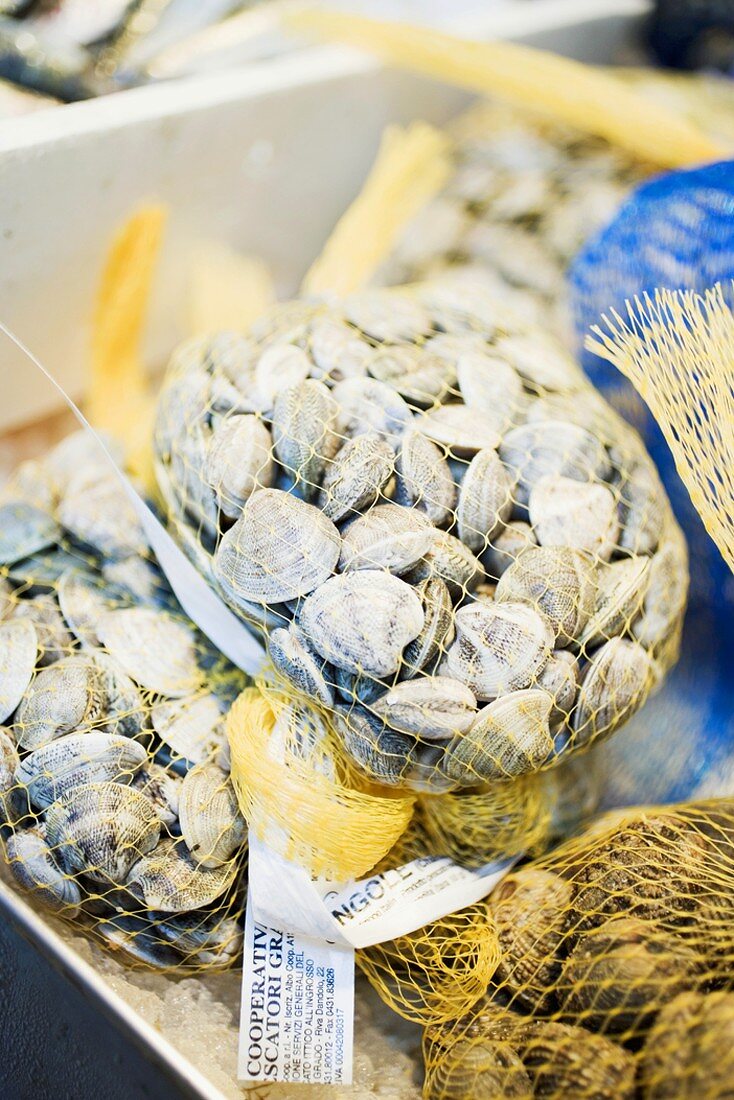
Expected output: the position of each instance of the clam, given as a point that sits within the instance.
(583, 515)
(211, 823)
(666, 593)
(280, 365)
(642, 508)
(300, 733)
(452, 562)
(125, 712)
(54, 638)
(191, 728)
(76, 759)
(459, 428)
(386, 315)
(386, 537)
(353, 688)
(382, 753)
(33, 866)
(499, 647)
(136, 578)
(552, 448)
(689, 1052)
(477, 1069)
(305, 432)
(24, 531)
(101, 516)
(424, 478)
(193, 496)
(614, 685)
(529, 910)
(490, 385)
(10, 796)
(162, 788)
(621, 587)
(560, 678)
(171, 880)
(556, 580)
(83, 601)
(485, 500)
(239, 461)
(432, 707)
(152, 647)
(509, 737)
(204, 939)
(566, 1061)
(362, 621)
(506, 547)
(279, 549)
(337, 351)
(68, 696)
(18, 651)
(437, 631)
(366, 405)
(420, 378)
(540, 362)
(294, 658)
(41, 572)
(101, 830)
(184, 399)
(140, 938)
(356, 477)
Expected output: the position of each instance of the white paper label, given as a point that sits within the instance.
(297, 1007)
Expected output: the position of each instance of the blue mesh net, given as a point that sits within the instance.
(674, 232)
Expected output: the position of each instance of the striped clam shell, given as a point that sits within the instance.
(509, 737)
(432, 707)
(552, 448)
(614, 686)
(485, 500)
(305, 432)
(424, 478)
(171, 880)
(356, 477)
(556, 580)
(499, 647)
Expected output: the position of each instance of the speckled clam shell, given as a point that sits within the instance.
(101, 516)
(490, 385)
(279, 549)
(338, 352)
(615, 684)
(356, 477)
(552, 448)
(366, 405)
(499, 647)
(68, 696)
(621, 587)
(239, 461)
(305, 432)
(560, 678)
(458, 428)
(101, 830)
(557, 581)
(34, 867)
(506, 546)
(583, 515)
(18, 653)
(300, 733)
(509, 737)
(666, 593)
(362, 621)
(54, 638)
(432, 707)
(211, 823)
(386, 315)
(437, 632)
(162, 788)
(565, 1061)
(153, 648)
(541, 362)
(171, 880)
(485, 500)
(76, 759)
(386, 537)
(138, 579)
(24, 530)
(424, 478)
(294, 659)
(419, 377)
(191, 727)
(452, 562)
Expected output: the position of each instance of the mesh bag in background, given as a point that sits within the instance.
(116, 807)
(615, 972)
(453, 546)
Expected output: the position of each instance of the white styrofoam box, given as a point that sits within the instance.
(264, 158)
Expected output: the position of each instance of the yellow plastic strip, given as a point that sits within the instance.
(228, 290)
(677, 349)
(411, 167)
(119, 400)
(574, 93)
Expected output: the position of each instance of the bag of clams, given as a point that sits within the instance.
(116, 806)
(613, 975)
(461, 560)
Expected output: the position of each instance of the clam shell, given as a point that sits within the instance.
(8, 598)
(564, 512)
(337, 351)
(137, 578)
(560, 678)
(509, 737)
(420, 378)
(499, 647)
(490, 385)
(204, 939)
(68, 696)
(485, 500)
(362, 621)
(191, 727)
(305, 432)
(432, 707)
(77, 759)
(32, 864)
(358, 689)
(354, 480)
(153, 648)
(452, 562)
(552, 448)
(211, 823)
(41, 572)
(366, 405)
(24, 530)
(689, 1051)
(280, 365)
(565, 1061)
(54, 639)
(162, 788)
(10, 801)
(83, 602)
(387, 537)
(506, 546)
(125, 712)
(382, 753)
(101, 830)
(18, 650)
(101, 516)
(472, 1070)
(387, 315)
(239, 461)
(461, 429)
(301, 734)
(424, 478)
(171, 880)
(666, 593)
(140, 939)
(437, 631)
(557, 581)
(642, 508)
(294, 658)
(193, 496)
(279, 549)
(614, 686)
(619, 599)
(540, 362)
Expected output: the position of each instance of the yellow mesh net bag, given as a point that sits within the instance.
(614, 972)
(116, 807)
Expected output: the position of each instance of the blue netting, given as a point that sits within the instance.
(675, 232)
